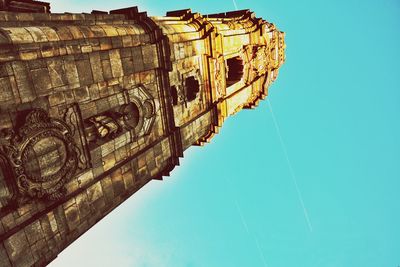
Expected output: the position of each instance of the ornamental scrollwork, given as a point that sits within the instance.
(260, 60)
(233, 24)
(42, 155)
(219, 85)
(257, 61)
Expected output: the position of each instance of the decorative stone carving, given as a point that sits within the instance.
(101, 127)
(259, 60)
(130, 116)
(43, 156)
(137, 116)
(219, 85)
(234, 24)
(7, 185)
(145, 114)
(73, 118)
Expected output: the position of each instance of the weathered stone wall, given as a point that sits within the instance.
(94, 106)
(189, 57)
(91, 72)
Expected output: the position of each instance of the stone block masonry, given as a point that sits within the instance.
(94, 106)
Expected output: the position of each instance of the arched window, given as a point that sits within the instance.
(192, 87)
(235, 70)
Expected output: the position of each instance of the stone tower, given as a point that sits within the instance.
(94, 106)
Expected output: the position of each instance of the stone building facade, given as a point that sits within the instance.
(94, 106)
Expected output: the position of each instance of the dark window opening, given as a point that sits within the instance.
(192, 88)
(235, 70)
(174, 95)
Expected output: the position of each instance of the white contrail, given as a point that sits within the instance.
(234, 3)
(243, 220)
(259, 250)
(290, 167)
(239, 209)
(241, 217)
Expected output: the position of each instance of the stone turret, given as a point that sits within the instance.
(94, 106)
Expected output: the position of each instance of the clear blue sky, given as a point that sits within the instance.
(234, 202)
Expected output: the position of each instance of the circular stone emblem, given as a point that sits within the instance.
(44, 157)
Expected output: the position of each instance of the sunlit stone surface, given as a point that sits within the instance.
(94, 106)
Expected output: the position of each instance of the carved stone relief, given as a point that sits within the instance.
(136, 115)
(72, 117)
(233, 24)
(7, 183)
(260, 60)
(42, 154)
(257, 61)
(219, 84)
